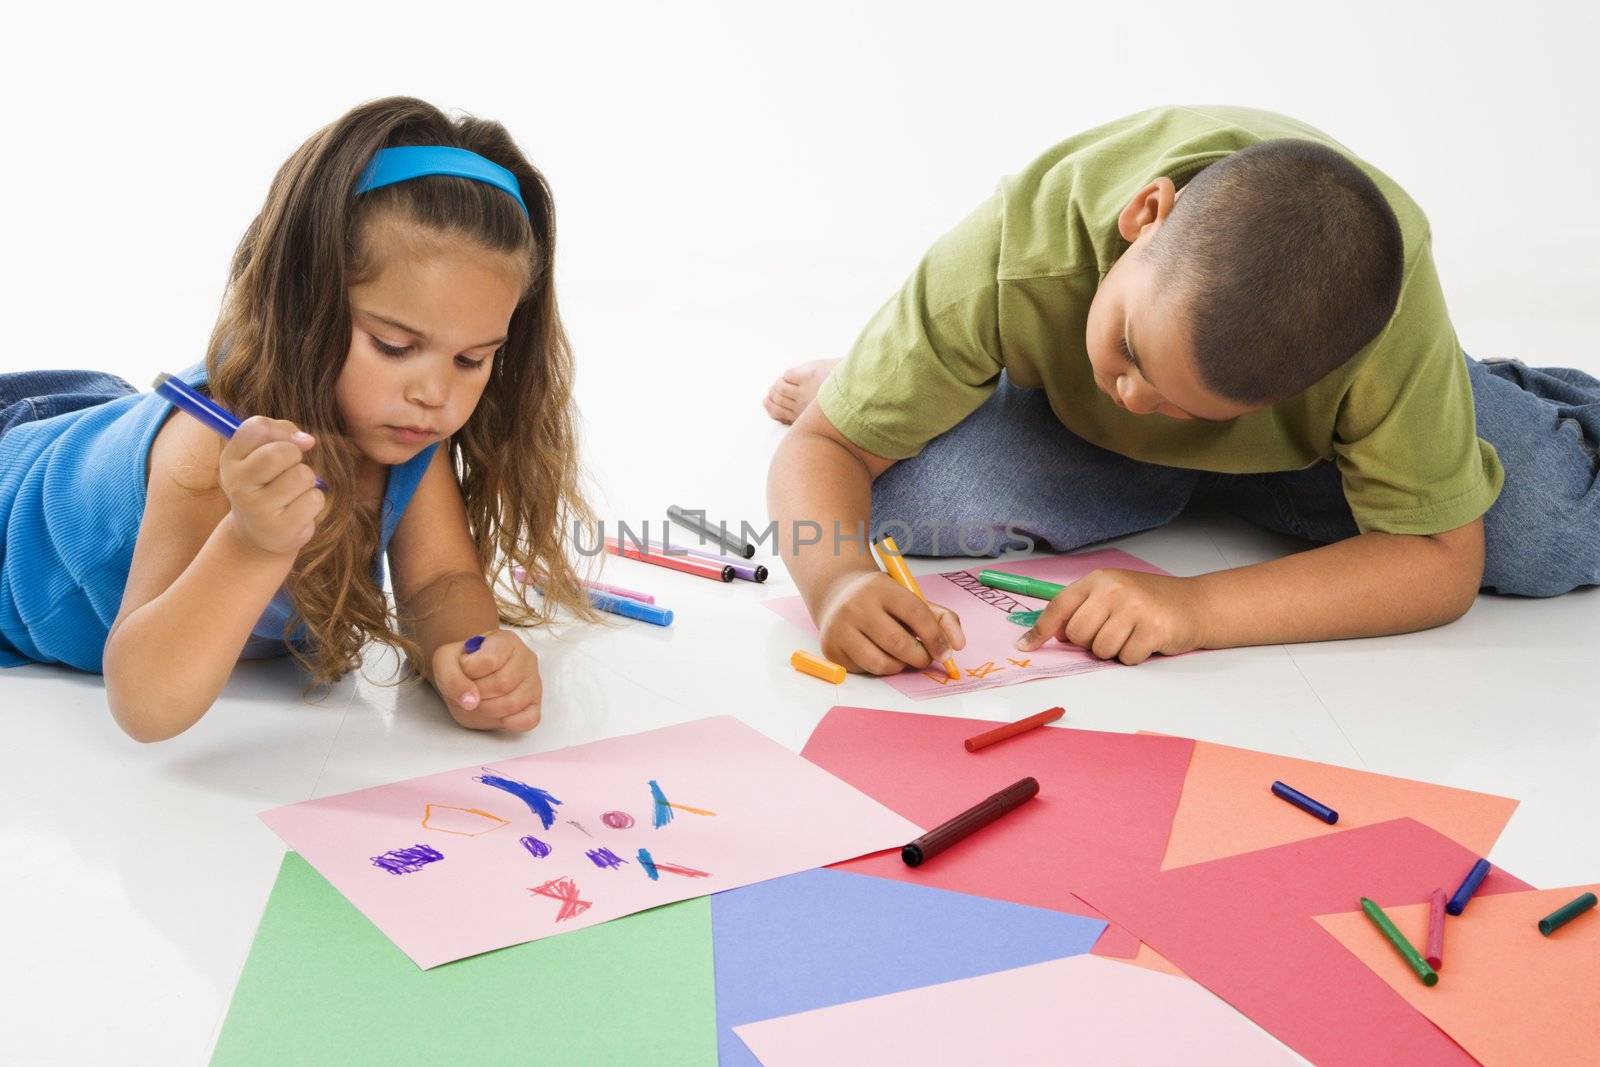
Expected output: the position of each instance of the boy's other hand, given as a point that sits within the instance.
(495, 687)
(870, 625)
(1123, 615)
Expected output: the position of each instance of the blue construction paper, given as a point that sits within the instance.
(824, 937)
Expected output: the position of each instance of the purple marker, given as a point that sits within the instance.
(473, 643)
(750, 572)
(208, 412)
(1469, 885)
(1305, 803)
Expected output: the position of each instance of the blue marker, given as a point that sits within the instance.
(1305, 803)
(212, 414)
(631, 609)
(1469, 885)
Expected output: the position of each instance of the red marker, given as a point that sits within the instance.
(1021, 726)
(716, 573)
(1435, 952)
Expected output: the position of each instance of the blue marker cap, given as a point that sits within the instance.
(1469, 885)
(631, 609)
(473, 643)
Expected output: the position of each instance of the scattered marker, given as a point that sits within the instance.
(968, 822)
(816, 666)
(1566, 913)
(1305, 803)
(1021, 726)
(1435, 953)
(1413, 959)
(1469, 885)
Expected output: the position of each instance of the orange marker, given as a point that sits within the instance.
(895, 564)
(1012, 729)
(816, 666)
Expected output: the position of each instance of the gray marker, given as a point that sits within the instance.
(694, 520)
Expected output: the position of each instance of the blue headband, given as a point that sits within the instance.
(393, 165)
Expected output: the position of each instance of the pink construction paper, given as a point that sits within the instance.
(1105, 802)
(741, 809)
(991, 659)
(1074, 1010)
(1243, 927)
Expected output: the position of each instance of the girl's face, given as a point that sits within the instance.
(424, 332)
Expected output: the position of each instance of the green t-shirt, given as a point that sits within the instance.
(1009, 288)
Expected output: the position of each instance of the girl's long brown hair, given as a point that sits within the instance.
(284, 332)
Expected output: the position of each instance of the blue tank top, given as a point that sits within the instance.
(72, 494)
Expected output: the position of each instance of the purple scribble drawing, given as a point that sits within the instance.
(536, 848)
(653, 867)
(663, 809)
(538, 800)
(617, 820)
(579, 825)
(605, 859)
(407, 860)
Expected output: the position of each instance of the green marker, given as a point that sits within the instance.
(1016, 583)
(1024, 618)
(1565, 914)
(1412, 957)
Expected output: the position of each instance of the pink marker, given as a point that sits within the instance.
(598, 587)
(1435, 953)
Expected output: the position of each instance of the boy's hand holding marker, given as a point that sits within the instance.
(1123, 615)
(872, 625)
(272, 493)
(490, 682)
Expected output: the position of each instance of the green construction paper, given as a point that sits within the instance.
(323, 985)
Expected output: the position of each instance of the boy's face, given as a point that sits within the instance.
(1138, 335)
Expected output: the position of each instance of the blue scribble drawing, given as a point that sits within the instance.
(407, 860)
(536, 848)
(539, 802)
(653, 867)
(605, 859)
(649, 865)
(663, 809)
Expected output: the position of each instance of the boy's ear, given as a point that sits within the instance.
(1149, 206)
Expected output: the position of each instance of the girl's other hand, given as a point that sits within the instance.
(496, 687)
(272, 492)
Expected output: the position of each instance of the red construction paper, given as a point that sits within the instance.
(1106, 803)
(1243, 927)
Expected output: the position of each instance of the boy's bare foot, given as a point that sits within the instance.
(796, 388)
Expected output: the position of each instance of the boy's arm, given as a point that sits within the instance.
(1366, 586)
(820, 482)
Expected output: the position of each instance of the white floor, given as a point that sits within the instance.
(138, 873)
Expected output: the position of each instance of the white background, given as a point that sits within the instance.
(738, 187)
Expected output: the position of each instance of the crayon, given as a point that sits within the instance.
(631, 609)
(1016, 583)
(1566, 913)
(1435, 953)
(1000, 733)
(694, 521)
(968, 822)
(1469, 885)
(1024, 618)
(208, 412)
(723, 573)
(816, 666)
(895, 564)
(1427, 974)
(1305, 803)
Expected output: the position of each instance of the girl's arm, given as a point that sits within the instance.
(203, 570)
(443, 600)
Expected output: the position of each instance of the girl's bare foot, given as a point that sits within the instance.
(797, 387)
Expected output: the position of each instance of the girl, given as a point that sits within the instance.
(392, 307)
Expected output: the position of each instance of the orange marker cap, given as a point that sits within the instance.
(816, 666)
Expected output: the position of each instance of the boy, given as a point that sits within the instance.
(1189, 303)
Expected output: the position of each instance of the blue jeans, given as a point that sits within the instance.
(1012, 467)
(32, 395)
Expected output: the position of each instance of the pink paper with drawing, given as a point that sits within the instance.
(990, 659)
(454, 864)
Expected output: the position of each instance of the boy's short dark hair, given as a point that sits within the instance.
(1288, 261)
